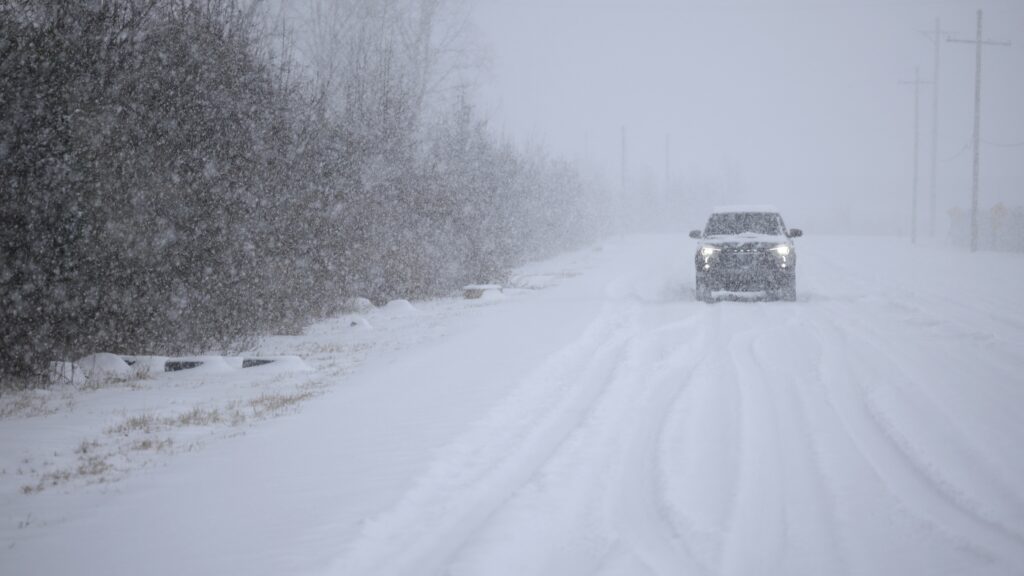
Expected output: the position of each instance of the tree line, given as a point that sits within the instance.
(175, 179)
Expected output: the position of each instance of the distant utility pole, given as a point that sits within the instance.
(668, 161)
(623, 160)
(978, 43)
(917, 82)
(936, 37)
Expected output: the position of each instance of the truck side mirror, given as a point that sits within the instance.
(696, 234)
(795, 232)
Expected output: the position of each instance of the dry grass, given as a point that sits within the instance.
(89, 466)
(268, 404)
(92, 465)
(196, 417)
(133, 380)
(236, 413)
(149, 424)
(87, 447)
(144, 423)
(149, 444)
(99, 460)
(26, 403)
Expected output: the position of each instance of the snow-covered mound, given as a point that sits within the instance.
(400, 307)
(144, 366)
(104, 366)
(358, 305)
(492, 295)
(360, 323)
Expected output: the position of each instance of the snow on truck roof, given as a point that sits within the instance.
(759, 208)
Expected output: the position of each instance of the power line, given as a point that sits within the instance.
(959, 153)
(967, 146)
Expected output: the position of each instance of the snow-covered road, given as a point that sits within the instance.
(612, 425)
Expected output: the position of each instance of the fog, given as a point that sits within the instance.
(795, 103)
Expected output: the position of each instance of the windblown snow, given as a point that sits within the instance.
(593, 420)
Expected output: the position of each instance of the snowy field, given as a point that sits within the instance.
(593, 420)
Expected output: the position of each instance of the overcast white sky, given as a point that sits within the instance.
(798, 100)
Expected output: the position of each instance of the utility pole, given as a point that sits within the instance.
(978, 43)
(935, 132)
(668, 162)
(917, 82)
(936, 37)
(623, 160)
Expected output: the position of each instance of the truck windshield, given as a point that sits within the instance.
(729, 223)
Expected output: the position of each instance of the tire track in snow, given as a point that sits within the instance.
(598, 499)
(969, 471)
(761, 522)
(759, 526)
(780, 512)
(917, 486)
(940, 378)
(700, 448)
(1001, 380)
(639, 497)
(474, 476)
(792, 360)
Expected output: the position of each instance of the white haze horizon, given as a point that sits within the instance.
(795, 103)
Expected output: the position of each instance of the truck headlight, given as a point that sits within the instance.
(782, 250)
(708, 251)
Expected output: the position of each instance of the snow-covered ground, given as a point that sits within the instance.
(595, 421)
